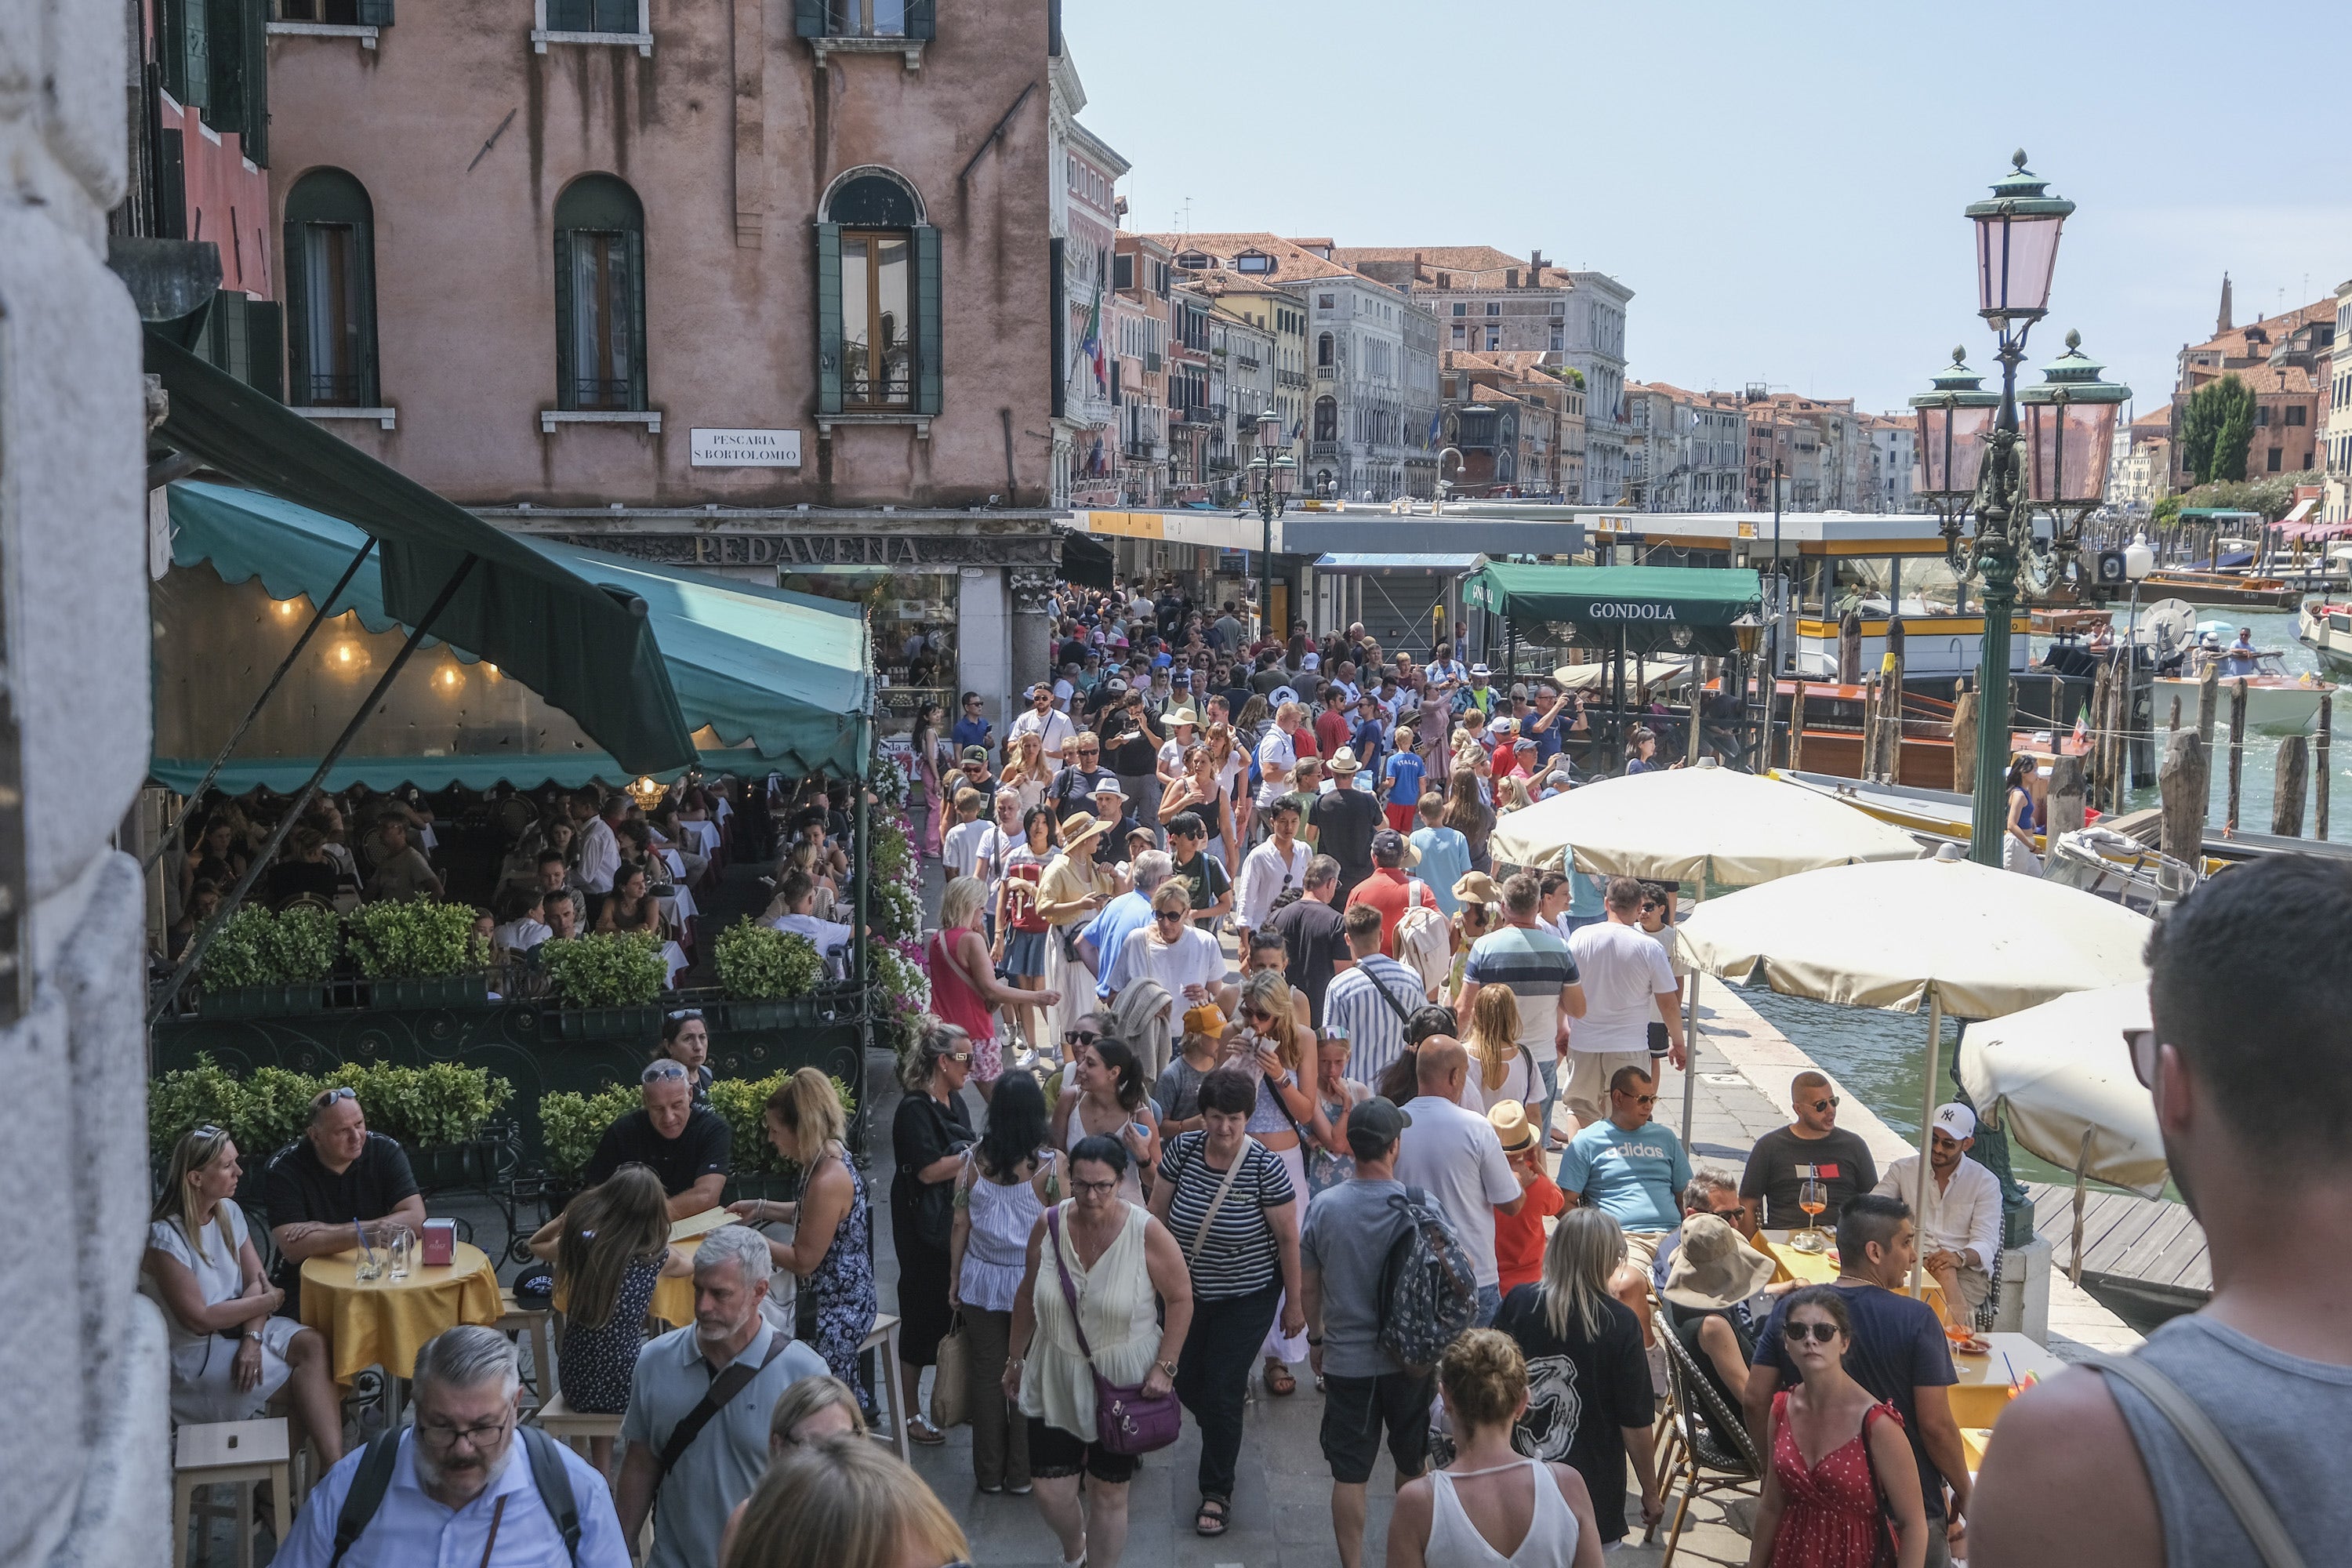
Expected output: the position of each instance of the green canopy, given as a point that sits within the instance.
(1682, 608)
(772, 680)
(583, 646)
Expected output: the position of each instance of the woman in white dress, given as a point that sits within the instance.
(229, 1355)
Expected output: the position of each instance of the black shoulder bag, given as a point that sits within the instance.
(722, 1393)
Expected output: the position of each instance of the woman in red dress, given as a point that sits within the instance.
(1824, 1511)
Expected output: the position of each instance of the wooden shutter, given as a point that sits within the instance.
(253, 84)
(922, 18)
(565, 377)
(828, 315)
(266, 347)
(375, 13)
(294, 282)
(172, 46)
(172, 185)
(808, 20)
(222, 342)
(638, 393)
(927, 319)
(225, 49)
(370, 392)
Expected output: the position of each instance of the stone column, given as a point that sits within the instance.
(1033, 628)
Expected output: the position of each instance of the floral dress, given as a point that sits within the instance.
(843, 1285)
(1832, 1519)
(593, 1367)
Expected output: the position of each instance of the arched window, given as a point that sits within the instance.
(1323, 349)
(329, 271)
(878, 299)
(600, 296)
(1327, 419)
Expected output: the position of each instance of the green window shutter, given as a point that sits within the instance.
(195, 36)
(172, 185)
(253, 81)
(927, 319)
(375, 13)
(922, 18)
(639, 395)
(808, 18)
(828, 316)
(564, 376)
(265, 347)
(370, 392)
(225, 48)
(223, 344)
(172, 46)
(294, 282)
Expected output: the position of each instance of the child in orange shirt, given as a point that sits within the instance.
(1520, 1237)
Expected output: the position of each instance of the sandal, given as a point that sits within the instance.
(1210, 1519)
(919, 1430)
(1278, 1380)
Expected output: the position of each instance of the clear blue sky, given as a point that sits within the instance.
(1781, 188)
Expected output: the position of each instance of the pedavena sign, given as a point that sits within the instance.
(1626, 610)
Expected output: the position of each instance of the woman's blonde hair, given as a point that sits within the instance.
(1494, 1034)
(960, 903)
(809, 1112)
(1514, 793)
(1174, 893)
(842, 1502)
(196, 1149)
(1584, 1250)
(1270, 994)
(810, 1396)
(1484, 1377)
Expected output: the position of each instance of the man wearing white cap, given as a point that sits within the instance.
(1959, 1214)
(1480, 695)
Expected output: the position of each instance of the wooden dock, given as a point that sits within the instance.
(2144, 1259)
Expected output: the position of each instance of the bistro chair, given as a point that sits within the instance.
(1711, 1447)
(238, 1454)
(537, 1324)
(884, 1338)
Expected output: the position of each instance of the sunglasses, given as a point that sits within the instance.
(1160, 917)
(962, 1056)
(333, 1095)
(1828, 1104)
(658, 1071)
(1638, 1098)
(685, 1013)
(1079, 1036)
(2142, 1044)
(1820, 1334)
(1261, 1018)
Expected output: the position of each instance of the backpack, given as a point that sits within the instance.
(1429, 1292)
(373, 1478)
(1424, 944)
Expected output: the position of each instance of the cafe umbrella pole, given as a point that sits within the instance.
(318, 618)
(301, 802)
(1926, 1139)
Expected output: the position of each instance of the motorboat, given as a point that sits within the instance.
(2327, 630)
(2277, 703)
(2114, 866)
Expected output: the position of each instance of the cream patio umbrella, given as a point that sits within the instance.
(1702, 824)
(1958, 937)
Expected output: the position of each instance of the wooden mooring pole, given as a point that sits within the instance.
(2286, 795)
(2237, 750)
(1964, 739)
(2319, 766)
(1797, 730)
(2184, 779)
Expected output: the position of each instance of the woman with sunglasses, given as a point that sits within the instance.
(928, 1136)
(1826, 1511)
(1267, 1042)
(229, 1354)
(686, 1040)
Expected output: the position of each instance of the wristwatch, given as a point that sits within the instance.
(1314, 1342)
(1167, 1367)
(253, 1334)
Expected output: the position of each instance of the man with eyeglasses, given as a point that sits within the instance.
(1048, 723)
(1958, 1215)
(1629, 1166)
(1814, 1148)
(336, 1175)
(448, 1488)
(973, 729)
(687, 1148)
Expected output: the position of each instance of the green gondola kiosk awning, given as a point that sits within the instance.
(764, 680)
(1684, 609)
(582, 646)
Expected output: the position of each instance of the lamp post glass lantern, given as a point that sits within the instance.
(1271, 478)
(2070, 427)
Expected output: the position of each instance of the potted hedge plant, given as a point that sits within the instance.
(766, 972)
(759, 1171)
(570, 1126)
(419, 954)
(608, 983)
(265, 966)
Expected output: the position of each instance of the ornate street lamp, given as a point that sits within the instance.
(2070, 430)
(1954, 422)
(1270, 479)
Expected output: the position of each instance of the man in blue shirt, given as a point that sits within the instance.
(1629, 1166)
(1124, 915)
(971, 730)
(1444, 852)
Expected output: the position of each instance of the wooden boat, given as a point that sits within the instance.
(2327, 630)
(2222, 588)
(2277, 703)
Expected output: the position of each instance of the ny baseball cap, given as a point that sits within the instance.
(1957, 1122)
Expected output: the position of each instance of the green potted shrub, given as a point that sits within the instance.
(607, 983)
(759, 1171)
(570, 1126)
(766, 972)
(263, 965)
(419, 954)
(441, 1114)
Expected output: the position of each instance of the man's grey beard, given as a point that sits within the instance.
(431, 1473)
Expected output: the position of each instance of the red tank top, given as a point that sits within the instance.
(953, 1000)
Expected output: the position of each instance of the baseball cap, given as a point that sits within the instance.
(1389, 843)
(976, 754)
(1373, 1125)
(1956, 1121)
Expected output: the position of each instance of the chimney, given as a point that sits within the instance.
(1510, 277)
(2223, 325)
(1536, 260)
(1445, 281)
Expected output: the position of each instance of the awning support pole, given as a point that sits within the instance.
(861, 941)
(2082, 1164)
(286, 824)
(1927, 1142)
(1690, 1014)
(318, 618)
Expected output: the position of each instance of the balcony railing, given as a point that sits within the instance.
(1322, 449)
(1327, 372)
(1290, 378)
(1245, 362)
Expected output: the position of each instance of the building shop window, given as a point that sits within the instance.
(877, 300)
(911, 618)
(1327, 419)
(2275, 454)
(600, 296)
(330, 273)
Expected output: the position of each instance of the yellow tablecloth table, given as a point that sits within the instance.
(1820, 1268)
(1983, 1391)
(386, 1323)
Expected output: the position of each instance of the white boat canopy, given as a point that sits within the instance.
(2059, 1074)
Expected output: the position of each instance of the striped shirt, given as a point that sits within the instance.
(1375, 1029)
(1239, 1258)
(1534, 963)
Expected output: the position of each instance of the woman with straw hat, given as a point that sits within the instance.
(1071, 892)
(1714, 1272)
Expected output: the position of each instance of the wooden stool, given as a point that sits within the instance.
(232, 1453)
(575, 1427)
(536, 1322)
(884, 1337)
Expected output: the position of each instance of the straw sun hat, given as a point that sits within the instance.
(1713, 1270)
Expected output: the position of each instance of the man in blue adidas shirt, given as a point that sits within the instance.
(1628, 1166)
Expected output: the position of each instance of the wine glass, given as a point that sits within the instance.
(1811, 1197)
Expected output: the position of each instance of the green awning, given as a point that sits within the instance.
(1684, 608)
(770, 681)
(583, 646)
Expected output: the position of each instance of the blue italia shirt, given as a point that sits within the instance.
(1632, 1176)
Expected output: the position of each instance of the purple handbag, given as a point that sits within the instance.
(1127, 1419)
